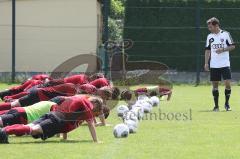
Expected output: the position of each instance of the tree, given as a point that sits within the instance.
(117, 12)
(117, 9)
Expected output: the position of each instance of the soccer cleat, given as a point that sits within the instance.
(3, 137)
(227, 107)
(1, 96)
(216, 109)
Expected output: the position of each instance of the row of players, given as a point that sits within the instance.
(43, 107)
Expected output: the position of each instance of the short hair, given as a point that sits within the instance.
(96, 76)
(106, 111)
(115, 92)
(126, 95)
(98, 103)
(106, 91)
(153, 93)
(214, 21)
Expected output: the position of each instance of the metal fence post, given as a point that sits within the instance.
(198, 42)
(106, 11)
(13, 40)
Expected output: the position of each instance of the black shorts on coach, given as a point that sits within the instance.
(217, 74)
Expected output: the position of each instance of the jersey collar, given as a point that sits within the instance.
(219, 32)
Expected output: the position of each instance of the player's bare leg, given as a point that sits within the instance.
(227, 94)
(215, 94)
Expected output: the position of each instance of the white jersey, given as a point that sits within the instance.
(215, 41)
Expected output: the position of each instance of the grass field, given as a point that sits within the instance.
(213, 135)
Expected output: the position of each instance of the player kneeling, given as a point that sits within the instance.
(66, 117)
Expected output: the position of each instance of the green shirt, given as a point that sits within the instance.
(37, 110)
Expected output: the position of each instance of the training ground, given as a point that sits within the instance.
(204, 134)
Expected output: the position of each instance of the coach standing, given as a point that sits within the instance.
(218, 45)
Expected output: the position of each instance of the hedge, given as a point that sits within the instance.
(175, 43)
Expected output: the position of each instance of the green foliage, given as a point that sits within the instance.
(115, 29)
(175, 42)
(117, 10)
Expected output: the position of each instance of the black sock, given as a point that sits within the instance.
(227, 96)
(215, 93)
(5, 93)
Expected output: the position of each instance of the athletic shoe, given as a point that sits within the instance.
(1, 96)
(3, 137)
(227, 107)
(216, 109)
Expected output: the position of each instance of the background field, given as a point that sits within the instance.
(207, 135)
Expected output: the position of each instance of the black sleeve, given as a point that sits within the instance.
(228, 44)
(58, 100)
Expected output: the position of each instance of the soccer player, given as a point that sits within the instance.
(25, 115)
(42, 81)
(105, 93)
(75, 79)
(154, 91)
(41, 77)
(42, 94)
(100, 82)
(106, 111)
(149, 91)
(22, 88)
(39, 81)
(218, 45)
(103, 83)
(126, 95)
(66, 117)
(79, 79)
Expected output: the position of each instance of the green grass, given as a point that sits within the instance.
(208, 135)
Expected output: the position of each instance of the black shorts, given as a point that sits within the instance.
(217, 74)
(30, 99)
(14, 116)
(50, 124)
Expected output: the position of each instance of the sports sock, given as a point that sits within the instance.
(17, 96)
(215, 93)
(17, 129)
(3, 112)
(5, 106)
(5, 93)
(227, 96)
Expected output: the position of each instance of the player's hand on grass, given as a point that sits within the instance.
(108, 125)
(206, 67)
(98, 124)
(98, 142)
(101, 124)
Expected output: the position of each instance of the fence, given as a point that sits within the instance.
(174, 32)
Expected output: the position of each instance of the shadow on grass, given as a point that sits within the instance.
(211, 111)
(204, 111)
(54, 142)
